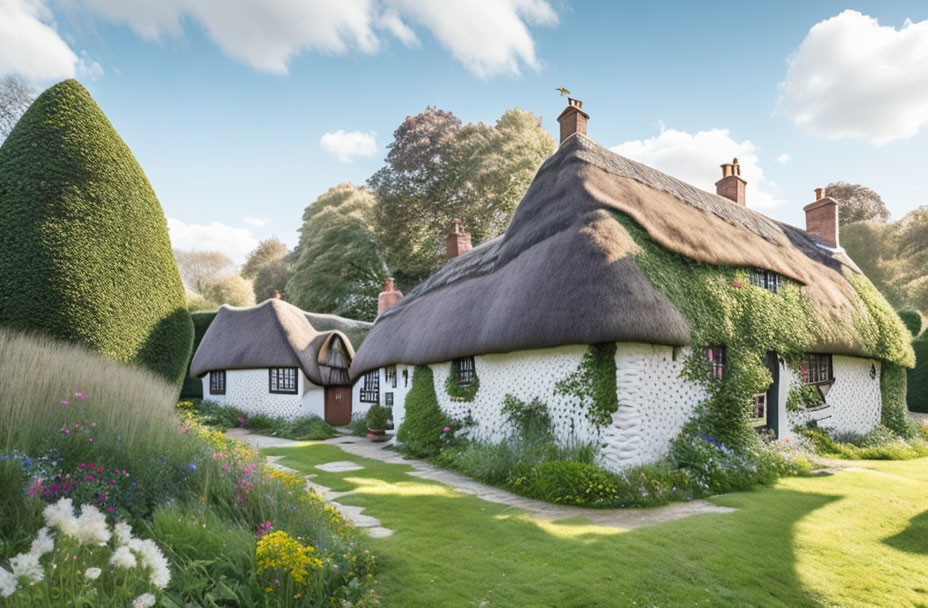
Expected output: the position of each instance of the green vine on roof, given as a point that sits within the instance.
(594, 383)
(722, 307)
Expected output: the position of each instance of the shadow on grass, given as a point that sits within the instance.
(913, 539)
(453, 549)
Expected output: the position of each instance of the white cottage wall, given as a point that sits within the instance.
(854, 403)
(247, 390)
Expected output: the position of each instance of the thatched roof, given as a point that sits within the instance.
(563, 274)
(277, 334)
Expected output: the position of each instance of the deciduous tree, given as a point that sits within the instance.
(15, 97)
(857, 203)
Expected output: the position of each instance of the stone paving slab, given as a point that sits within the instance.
(339, 466)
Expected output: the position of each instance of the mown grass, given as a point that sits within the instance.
(853, 539)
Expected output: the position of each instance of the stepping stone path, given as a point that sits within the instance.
(625, 519)
(339, 466)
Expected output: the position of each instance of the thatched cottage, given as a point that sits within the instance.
(278, 360)
(574, 276)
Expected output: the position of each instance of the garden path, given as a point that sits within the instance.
(358, 446)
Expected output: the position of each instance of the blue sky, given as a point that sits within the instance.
(225, 108)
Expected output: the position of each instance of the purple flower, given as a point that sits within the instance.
(447, 429)
(192, 466)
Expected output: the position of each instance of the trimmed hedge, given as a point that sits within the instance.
(912, 321)
(917, 396)
(193, 386)
(421, 431)
(85, 254)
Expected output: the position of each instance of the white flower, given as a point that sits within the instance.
(154, 559)
(144, 601)
(123, 533)
(123, 558)
(43, 543)
(61, 515)
(93, 573)
(92, 526)
(8, 583)
(26, 564)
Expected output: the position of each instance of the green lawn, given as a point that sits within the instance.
(858, 538)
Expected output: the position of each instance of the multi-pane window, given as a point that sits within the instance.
(463, 370)
(282, 380)
(715, 355)
(217, 382)
(388, 399)
(370, 387)
(389, 376)
(817, 369)
(759, 407)
(765, 279)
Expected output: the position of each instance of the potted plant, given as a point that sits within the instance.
(377, 423)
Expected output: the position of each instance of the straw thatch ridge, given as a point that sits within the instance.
(274, 334)
(563, 272)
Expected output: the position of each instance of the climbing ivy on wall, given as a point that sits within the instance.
(421, 430)
(461, 392)
(723, 308)
(594, 383)
(892, 388)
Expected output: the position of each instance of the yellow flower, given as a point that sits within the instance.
(280, 550)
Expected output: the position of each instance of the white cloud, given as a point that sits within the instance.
(29, 43)
(784, 158)
(852, 77)
(488, 37)
(695, 159)
(87, 68)
(257, 222)
(345, 146)
(236, 243)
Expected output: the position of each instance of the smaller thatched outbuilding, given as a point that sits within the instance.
(278, 360)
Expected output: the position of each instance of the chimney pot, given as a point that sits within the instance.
(732, 186)
(573, 119)
(456, 241)
(822, 218)
(388, 297)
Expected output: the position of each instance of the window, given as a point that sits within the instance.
(389, 376)
(370, 387)
(765, 279)
(759, 413)
(282, 380)
(405, 378)
(817, 369)
(463, 370)
(716, 357)
(388, 399)
(217, 382)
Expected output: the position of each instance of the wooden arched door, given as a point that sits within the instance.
(338, 405)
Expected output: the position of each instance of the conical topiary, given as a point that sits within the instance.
(84, 248)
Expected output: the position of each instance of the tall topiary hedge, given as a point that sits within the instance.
(84, 253)
(917, 395)
(193, 386)
(423, 422)
(912, 321)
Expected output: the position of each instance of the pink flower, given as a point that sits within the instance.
(90, 439)
(93, 425)
(77, 426)
(80, 395)
(215, 455)
(185, 430)
(736, 283)
(447, 429)
(64, 403)
(90, 478)
(100, 470)
(112, 481)
(66, 431)
(110, 509)
(226, 468)
(116, 471)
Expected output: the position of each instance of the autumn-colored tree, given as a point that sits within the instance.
(338, 268)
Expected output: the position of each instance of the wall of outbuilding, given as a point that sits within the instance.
(247, 390)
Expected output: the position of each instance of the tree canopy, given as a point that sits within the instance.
(15, 97)
(857, 203)
(267, 251)
(338, 269)
(85, 254)
(199, 268)
(438, 169)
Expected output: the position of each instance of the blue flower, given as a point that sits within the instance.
(26, 461)
(192, 466)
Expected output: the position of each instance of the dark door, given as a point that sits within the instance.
(765, 416)
(338, 405)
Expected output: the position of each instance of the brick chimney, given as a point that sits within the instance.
(731, 186)
(572, 119)
(388, 297)
(822, 218)
(457, 242)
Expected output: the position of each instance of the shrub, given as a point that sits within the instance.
(531, 420)
(193, 386)
(879, 444)
(912, 320)
(312, 428)
(421, 431)
(917, 378)
(85, 255)
(377, 417)
(358, 424)
(895, 414)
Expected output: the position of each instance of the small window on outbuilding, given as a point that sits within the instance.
(818, 370)
(405, 378)
(217, 382)
(388, 399)
(765, 279)
(282, 380)
(463, 370)
(715, 355)
(370, 387)
(389, 375)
